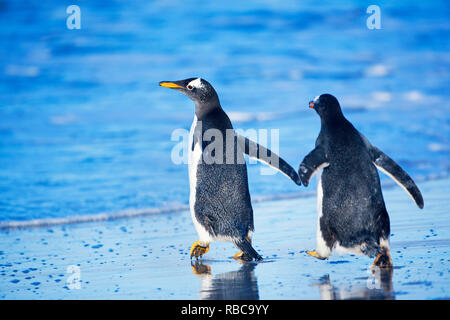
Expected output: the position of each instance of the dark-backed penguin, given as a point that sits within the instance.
(352, 216)
(219, 201)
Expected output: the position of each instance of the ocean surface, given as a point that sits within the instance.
(85, 130)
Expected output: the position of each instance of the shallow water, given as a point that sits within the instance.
(84, 128)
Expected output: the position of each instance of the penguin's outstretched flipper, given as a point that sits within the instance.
(248, 252)
(313, 162)
(257, 151)
(388, 166)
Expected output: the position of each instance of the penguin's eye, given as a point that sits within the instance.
(189, 87)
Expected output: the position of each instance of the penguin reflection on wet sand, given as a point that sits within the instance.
(235, 285)
(352, 216)
(376, 287)
(219, 196)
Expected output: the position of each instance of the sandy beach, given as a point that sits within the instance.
(148, 257)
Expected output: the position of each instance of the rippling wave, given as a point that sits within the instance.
(132, 213)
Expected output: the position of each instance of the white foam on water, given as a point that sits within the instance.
(132, 213)
(382, 96)
(377, 70)
(22, 71)
(64, 119)
(104, 216)
(436, 147)
(414, 96)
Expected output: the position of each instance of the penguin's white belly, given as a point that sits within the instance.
(195, 157)
(321, 247)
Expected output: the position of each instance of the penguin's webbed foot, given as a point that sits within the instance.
(242, 256)
(198, 249)
(315, 255)
(383, 259)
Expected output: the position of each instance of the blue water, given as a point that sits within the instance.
(85, 129)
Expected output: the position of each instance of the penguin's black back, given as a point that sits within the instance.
(353, 208)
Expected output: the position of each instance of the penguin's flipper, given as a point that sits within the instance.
(313, 161)
(396, 173)
(388, 166)
(258, 152)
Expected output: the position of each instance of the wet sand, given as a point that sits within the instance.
(148, 257)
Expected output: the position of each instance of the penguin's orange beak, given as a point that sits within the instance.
(311, 104)
(169, 84)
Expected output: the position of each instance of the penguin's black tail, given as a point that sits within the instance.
(249, 252)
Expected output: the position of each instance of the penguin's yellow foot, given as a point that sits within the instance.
(200, 269)
(315, 255)
(197, 249)
(240, 256)
(383, 259)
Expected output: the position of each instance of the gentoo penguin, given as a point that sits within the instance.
(352, 216)
(219, 196)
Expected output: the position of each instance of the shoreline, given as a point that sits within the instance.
(136, 213)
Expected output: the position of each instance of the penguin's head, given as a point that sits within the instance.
(199, 90)
(326, 105)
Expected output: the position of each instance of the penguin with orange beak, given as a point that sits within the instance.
(219, 201)
(352, 216)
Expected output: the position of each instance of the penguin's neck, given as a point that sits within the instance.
(331, 121)
(202, 110)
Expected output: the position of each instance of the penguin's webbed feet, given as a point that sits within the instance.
(383, 259)
(315, 255)
(242, 257)
(198, 249)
